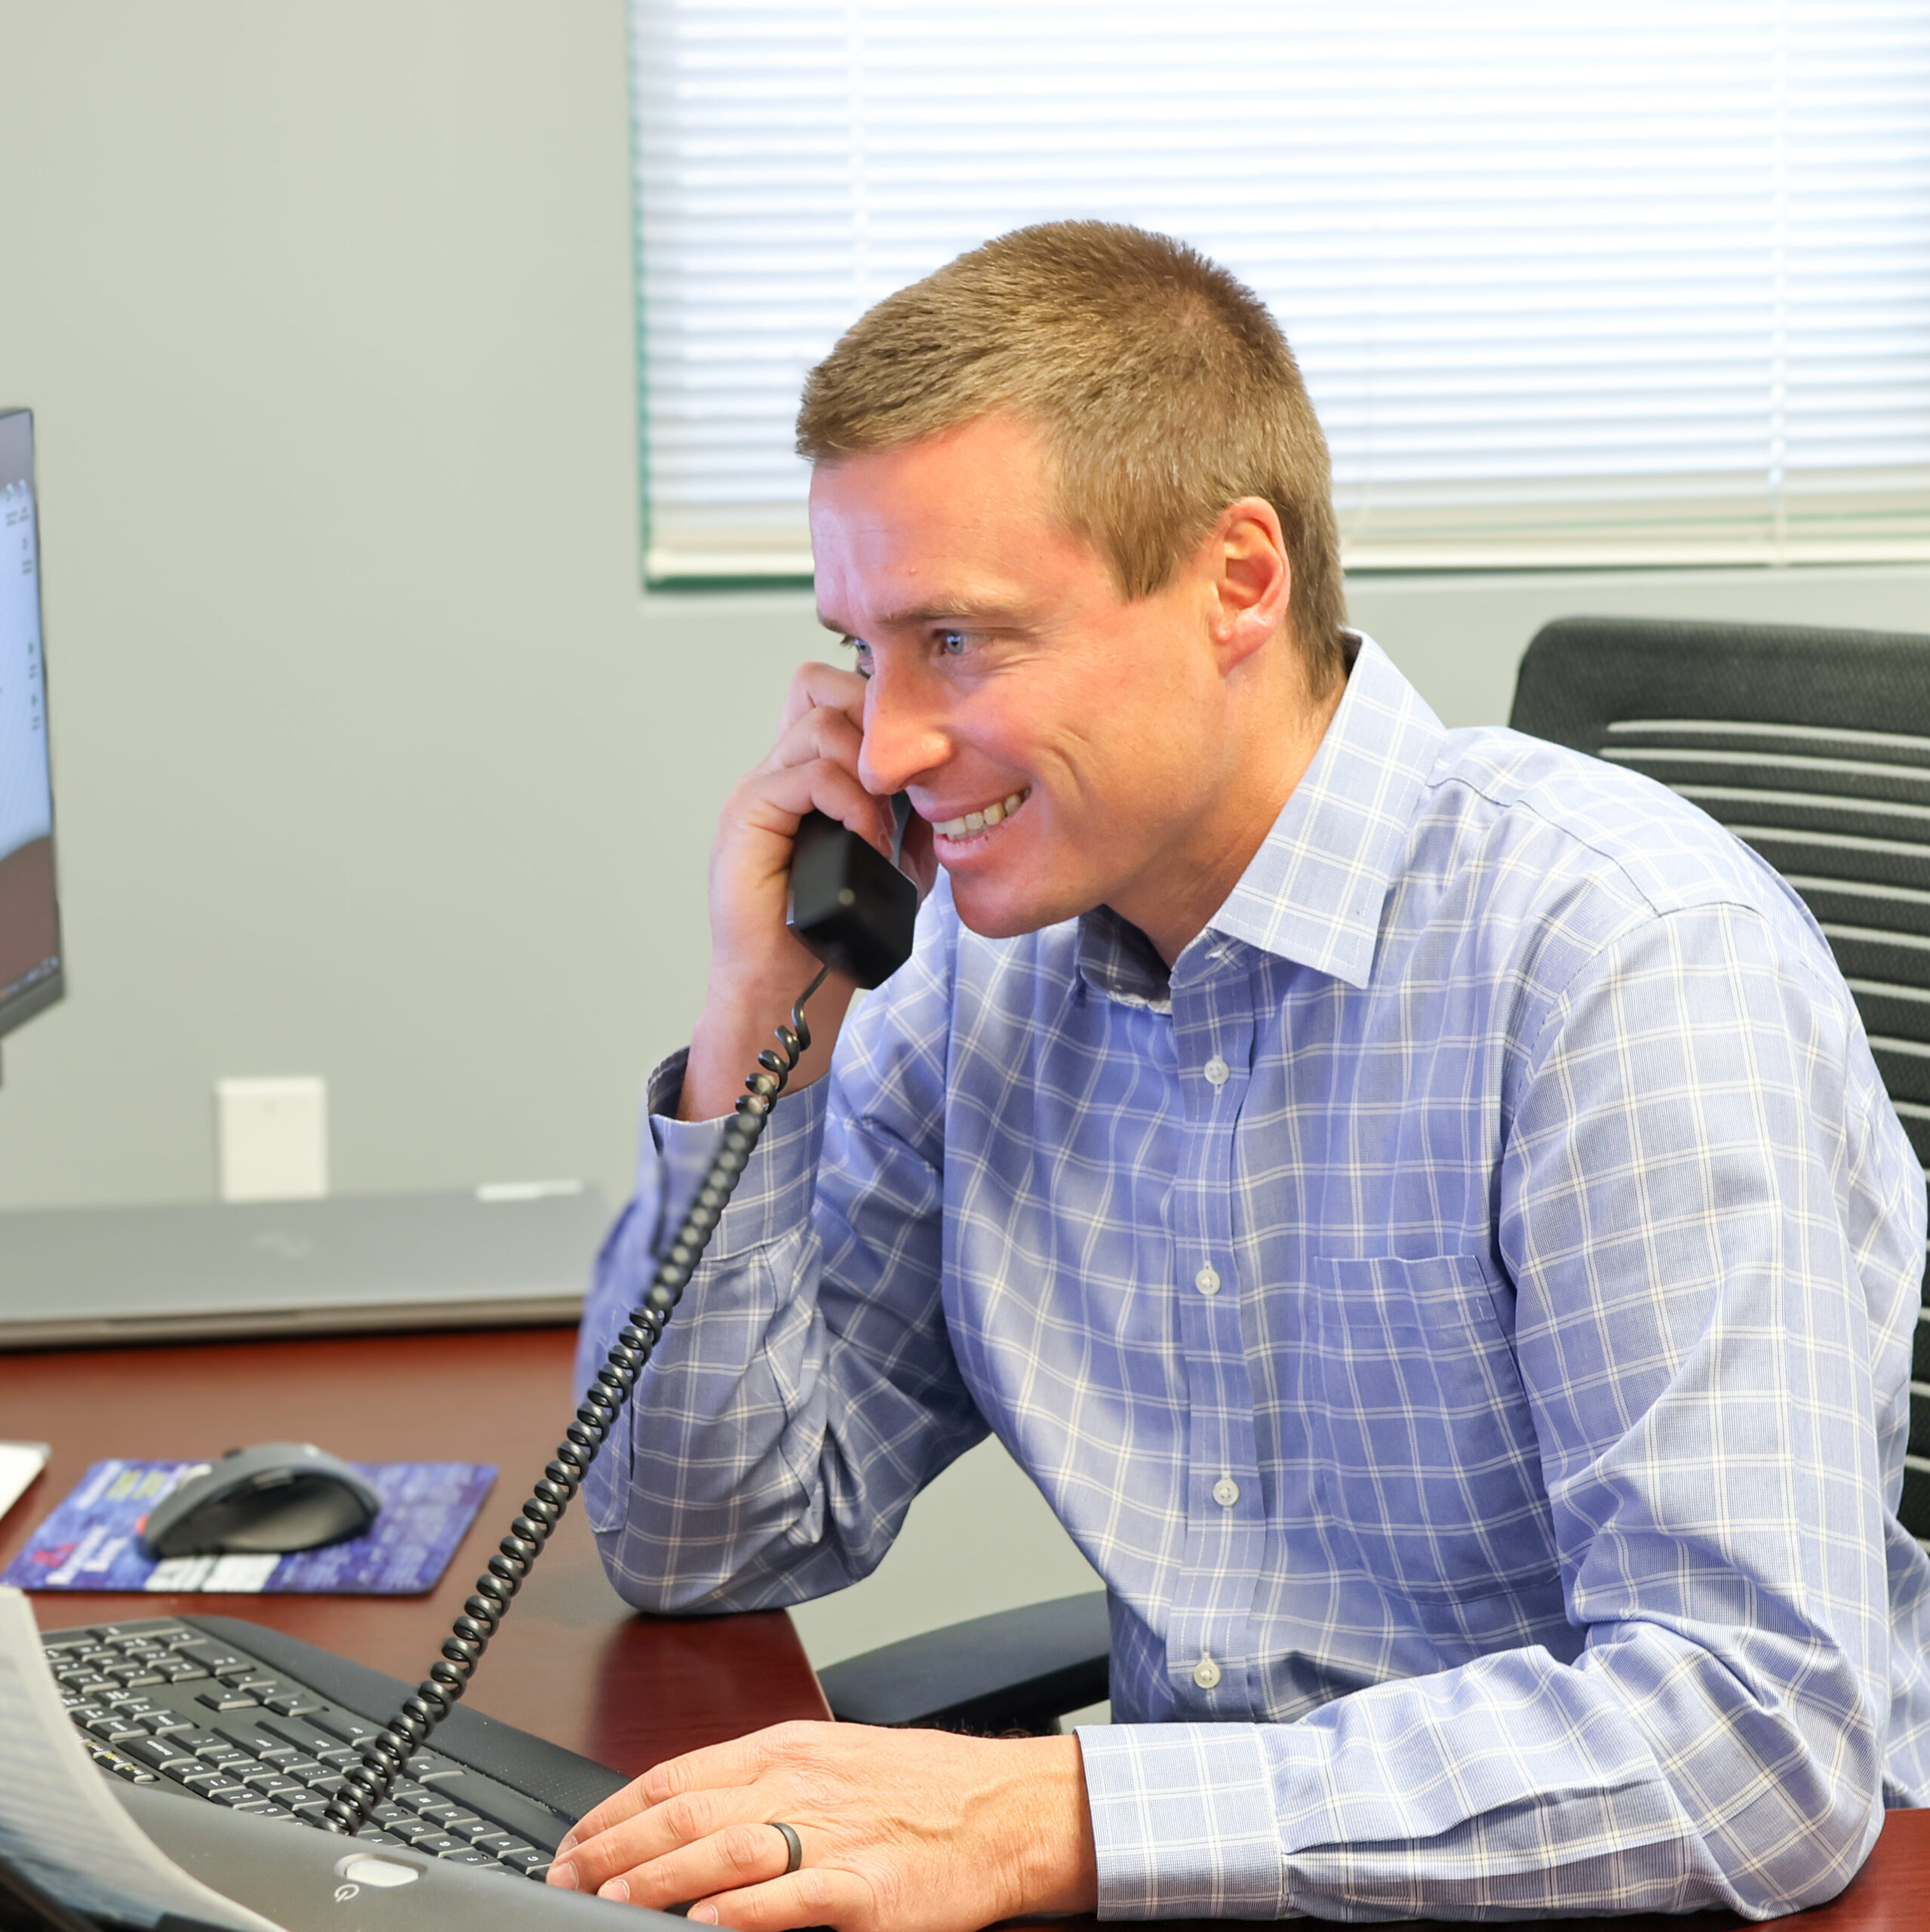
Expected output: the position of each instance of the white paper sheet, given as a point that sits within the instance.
(59, 1821)
(19, 1463)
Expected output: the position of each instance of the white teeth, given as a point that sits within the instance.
(993, 814)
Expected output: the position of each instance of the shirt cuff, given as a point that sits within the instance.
(774, 1194)
(1184, 1821)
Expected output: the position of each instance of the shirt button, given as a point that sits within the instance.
(1217, 1071)
(1206, 1672)
(1226, 1492)
(1207, 1280)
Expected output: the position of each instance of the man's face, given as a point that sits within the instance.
(1060, 743)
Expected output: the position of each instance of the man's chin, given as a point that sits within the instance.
(998, 915)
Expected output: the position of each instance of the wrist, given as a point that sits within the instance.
(1059, 1869)
(739, 1021)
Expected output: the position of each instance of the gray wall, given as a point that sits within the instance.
(373, 761)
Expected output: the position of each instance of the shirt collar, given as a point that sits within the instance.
(1313, 893)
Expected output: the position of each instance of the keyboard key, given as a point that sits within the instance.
(304, 1737)
(466, 1854)
(328, 1783)
(341, 1727)
(271, 1784)
(183, 1673)
(261, 1744)
(134, 1773)
(226, 1700)
(112, 1729)
(496, 1843)
(292, 1704)
(374, 1835)
(304, 1768)
(160, 1753)
(308, 1808)
(533, 1863)
(436, 1842)
(165, 1723)
(209, 1656)
(236, 1797)
(204, 1780)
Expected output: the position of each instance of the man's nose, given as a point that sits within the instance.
(905, 736)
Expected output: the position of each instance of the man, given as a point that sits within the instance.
(1419, 1204)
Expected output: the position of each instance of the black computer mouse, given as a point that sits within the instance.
(277, 1496)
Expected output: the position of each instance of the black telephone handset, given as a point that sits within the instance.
(855, 910)
(849, 903)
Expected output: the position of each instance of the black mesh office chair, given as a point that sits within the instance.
(1814, 745)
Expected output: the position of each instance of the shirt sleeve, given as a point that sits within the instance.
(792, 1410)
(1712, 1336)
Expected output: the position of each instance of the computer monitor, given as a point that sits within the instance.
(30, 974)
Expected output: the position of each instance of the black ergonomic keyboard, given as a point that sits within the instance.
(210, 1707)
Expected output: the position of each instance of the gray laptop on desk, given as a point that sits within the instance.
(478, 1258)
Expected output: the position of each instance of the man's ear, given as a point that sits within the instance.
(1244, 557)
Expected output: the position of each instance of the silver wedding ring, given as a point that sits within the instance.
(792, 1841)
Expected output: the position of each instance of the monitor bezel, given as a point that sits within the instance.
(43, 993)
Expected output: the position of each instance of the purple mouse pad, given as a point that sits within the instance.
(92, 1539)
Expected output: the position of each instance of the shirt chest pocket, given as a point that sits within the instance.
(1425, 1460)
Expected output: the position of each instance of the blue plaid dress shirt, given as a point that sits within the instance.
(1464, 1313)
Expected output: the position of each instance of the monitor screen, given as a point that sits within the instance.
(30, 973)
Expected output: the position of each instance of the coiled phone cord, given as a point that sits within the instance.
(384, 1756)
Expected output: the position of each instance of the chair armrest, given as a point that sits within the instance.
(1018, 1670)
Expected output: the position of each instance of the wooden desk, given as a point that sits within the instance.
(572, 1663)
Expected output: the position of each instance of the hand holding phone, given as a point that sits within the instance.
(759, 964)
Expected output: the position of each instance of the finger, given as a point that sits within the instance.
(816, 1895)
(823, 685)
(739, 1761)
(625, 1843)
(774, 801)
(614, 1809)
(741, 1855)
(828, 735)
(715, 1768)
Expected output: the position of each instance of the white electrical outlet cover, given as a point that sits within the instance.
(273, 1139)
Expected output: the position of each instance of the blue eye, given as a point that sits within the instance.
(953, 643)
(861, 651)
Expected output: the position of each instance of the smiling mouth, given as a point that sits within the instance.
(972, 823)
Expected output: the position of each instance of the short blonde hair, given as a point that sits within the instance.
(1163, 388)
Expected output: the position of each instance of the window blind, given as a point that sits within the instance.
(1607, 282)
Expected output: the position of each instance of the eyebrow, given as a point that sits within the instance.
(995, 615)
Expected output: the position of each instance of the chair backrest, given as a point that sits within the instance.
(1813, 746)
